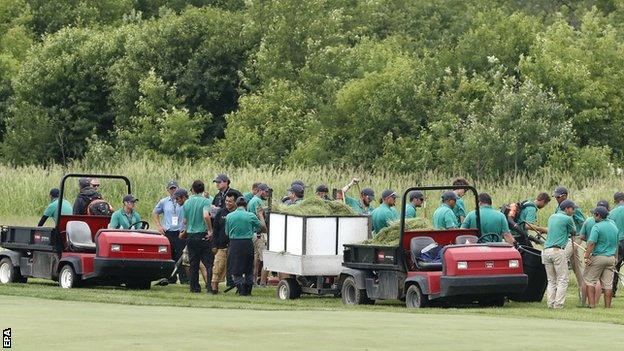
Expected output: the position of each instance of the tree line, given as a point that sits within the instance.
(480, 88)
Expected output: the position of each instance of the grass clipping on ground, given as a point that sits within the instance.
(390, 235)
(315, 206)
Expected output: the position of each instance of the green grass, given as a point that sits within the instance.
(39, 324)
(265, 299)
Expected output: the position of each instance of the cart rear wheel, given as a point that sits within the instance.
(351, 295)
(288, 289)
(7, 271)
(414, 298)
(67, 277)
(493, 301)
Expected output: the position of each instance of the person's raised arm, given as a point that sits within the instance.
(348, 186)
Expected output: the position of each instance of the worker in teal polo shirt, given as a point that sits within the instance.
(600, 256)
(241, 226)
(385, 213)
(560, 228)
(259, 240)
(52, 210)
(126, 217)
(363, 206)
(444, 217)
(591, 221)
(416, 199)
(527, 218)
(254, 190)
(460, 208)
(199, 236)
(494, 225)
(617, 215)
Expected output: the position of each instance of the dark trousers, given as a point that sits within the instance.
(199, 250)
(618, 265)
(241, 263)
(177, 247)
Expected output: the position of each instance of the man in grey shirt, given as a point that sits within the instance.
(170, 226)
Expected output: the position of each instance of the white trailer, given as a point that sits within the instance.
(307, 251)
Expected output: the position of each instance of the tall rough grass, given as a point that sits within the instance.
(24, 190)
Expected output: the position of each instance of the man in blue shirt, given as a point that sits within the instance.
(170, 225)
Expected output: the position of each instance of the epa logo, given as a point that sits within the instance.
(6, 338)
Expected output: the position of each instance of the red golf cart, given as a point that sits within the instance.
(80, 249)
(470, 271)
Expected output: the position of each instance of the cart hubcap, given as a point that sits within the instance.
(5, 273)
(283, 292)
(66, 279)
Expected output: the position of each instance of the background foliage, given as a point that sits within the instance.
(481, 88)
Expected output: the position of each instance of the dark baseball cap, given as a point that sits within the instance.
(55, 192)
(180, 193)
(130, 198)
(387, 193)
(618, 196)
(559, 191)
(84, 182)
(222, 177)
(263, 187)
(368, 192)
(449, 195)
(603, 203)
(172, 184)
(298, 182)
(601, 211)
(322, 189)
(416, 194)
(296, 189)
(567, 203)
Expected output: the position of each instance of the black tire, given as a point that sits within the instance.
(67, 277)
(351, 295)
(8, 273)
(288, 289)
(139, 285)
(414, 298)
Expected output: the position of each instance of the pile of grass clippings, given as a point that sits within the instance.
(314, 206)
(390, 235)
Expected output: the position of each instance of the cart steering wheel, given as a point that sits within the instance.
(495, 236)
(144, 225)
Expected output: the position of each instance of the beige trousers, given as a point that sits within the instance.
(556, 265)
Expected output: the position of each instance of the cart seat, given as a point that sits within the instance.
(79, 236)
(416, 245)
(466, 239)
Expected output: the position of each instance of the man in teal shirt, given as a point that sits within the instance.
(492, 222)
(460, 209)
(250, 194)
(591, 221)
(385, 213)
(52, 210)
(444, 217)
(259, 240)
(617, 215)
(364, 206)
(126, 217)
(199, 232)
(416, 199)
(527, 218)
(600, 256)
(241, 226)
(560, 228)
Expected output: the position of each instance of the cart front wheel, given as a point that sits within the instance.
(351, 295)
(7, 271)
(67, 277)
(414, 298)
(288, 289)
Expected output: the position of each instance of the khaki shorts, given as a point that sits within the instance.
(600, 268)
(260, 244)
(220, 266)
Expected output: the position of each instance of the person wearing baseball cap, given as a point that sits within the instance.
(363, 206)
(383, 215)
(52, 210)
(86, 195)
(600, 259)
(460, 208)
(416, 199)
(170, 225)
(223, 186)
(322, 192)
(444, 217)
(561, 194)
(295, 194)
(617, 215)
(259, 240)
(584, 235)
(554, 257)
(126, 217)
(286, 199)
